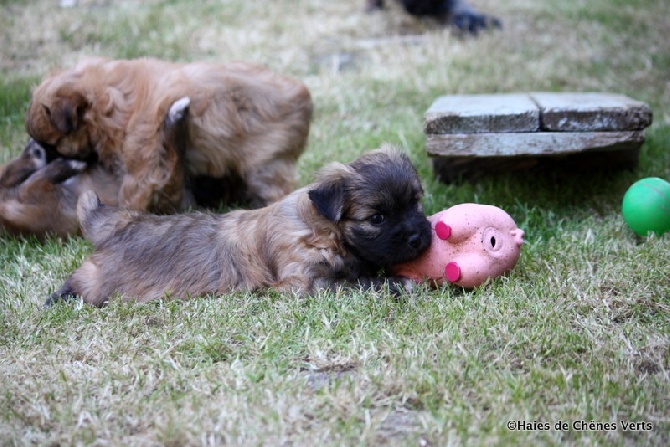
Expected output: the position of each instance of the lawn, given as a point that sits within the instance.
(579, 332)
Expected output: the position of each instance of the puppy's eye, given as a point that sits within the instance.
(377, 219)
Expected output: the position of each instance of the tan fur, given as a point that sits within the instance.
(244, 120)
(312, 238)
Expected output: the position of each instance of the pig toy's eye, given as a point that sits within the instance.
(492, 240)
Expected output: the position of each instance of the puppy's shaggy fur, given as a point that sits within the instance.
(245, 121)
(39, 196)
(355, 220)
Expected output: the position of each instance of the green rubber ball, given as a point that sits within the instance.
(646, 206)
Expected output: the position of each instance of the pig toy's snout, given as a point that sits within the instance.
(517, 234)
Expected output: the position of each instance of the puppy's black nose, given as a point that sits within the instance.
(414, 240)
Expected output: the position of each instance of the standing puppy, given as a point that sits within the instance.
(355, 220)
(245, 121)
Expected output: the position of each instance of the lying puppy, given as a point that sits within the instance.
(355, 220)
(39, 196)
(33, 197)
(454, 12)
(245, 121)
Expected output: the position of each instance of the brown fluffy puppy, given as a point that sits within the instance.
(245, 120)
(38, 197)
(355, 220)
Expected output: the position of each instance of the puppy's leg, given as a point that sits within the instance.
(176, 140)
(157, 182)
(47, 188)
(85, 282)
(396, 285)
(270, 181)
(177, 113)
(60, 170)
(98, 222)
(65, 293)
(136, 193)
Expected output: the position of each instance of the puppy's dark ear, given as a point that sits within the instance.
(65, 113)
(328, 199)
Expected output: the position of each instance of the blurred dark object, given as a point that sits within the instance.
(457, 13)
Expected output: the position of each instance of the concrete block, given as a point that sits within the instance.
(470, 134)
(590, 112)
(515, 112)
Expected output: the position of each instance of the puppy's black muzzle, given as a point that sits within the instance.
(420, 237)
(414, 240)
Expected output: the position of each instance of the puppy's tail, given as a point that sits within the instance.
(97, 221)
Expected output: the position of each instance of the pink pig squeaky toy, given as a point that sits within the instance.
(470, 244)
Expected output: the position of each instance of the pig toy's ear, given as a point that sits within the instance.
(442, 230)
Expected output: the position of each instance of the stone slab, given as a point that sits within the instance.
(536, 143)
(512, 112)
(590, 112)
(469, 135)
(536, 112)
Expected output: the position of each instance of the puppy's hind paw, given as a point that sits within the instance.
(178, 110)
(63, 295)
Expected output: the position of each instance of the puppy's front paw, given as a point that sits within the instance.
(396, 285)
(62, 169)
(178, 110)
(77, 165)
(399, 285)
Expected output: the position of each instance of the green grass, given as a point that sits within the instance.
(579, 331)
